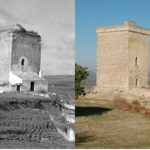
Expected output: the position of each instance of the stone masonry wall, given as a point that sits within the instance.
(27, 47)
(5, 56)
(138, 49)
(112, 58)
(39, 85)
(122, 57)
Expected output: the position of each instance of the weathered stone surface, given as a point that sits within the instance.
(20, 54)
(122, 57)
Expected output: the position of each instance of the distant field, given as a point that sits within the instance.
(90, 83)
(98, 125)
(63, 85)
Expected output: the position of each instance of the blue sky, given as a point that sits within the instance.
(90, 14)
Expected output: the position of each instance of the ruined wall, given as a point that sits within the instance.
(112, 58)
(26, 47)
(138, 49)
(39, 85)
(5, 56)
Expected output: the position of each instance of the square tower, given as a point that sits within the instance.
(20, 60)
(122, 57)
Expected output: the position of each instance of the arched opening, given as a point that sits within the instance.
(136, 61)
(22, 62)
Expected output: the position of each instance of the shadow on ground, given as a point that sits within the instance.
(81, 138)
(86, 111)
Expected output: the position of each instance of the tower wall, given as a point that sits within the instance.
(26, 47)
(112, 58)
(122, 57)
(5, 56)
(138, 51)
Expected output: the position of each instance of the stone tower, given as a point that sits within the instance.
(122, 57)
(20, 59)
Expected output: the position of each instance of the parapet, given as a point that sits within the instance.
(127, 26)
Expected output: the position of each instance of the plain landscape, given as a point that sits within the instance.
(100, 125)
(25, 121)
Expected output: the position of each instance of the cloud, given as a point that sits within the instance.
(8, 18)
(54, 21)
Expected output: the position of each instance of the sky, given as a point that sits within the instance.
(90, 14)
(54, 20)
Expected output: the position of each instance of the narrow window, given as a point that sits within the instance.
(32, 86)
(136, 82)
(136, 59)
(22, 62)
(18, 88)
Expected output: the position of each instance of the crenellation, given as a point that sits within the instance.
(128, 26)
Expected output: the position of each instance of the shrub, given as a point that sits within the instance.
(136, 107)
(81, 74)
(146, 112)
(42, 91)
(121, 103)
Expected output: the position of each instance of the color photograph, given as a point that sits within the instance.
(112, 74)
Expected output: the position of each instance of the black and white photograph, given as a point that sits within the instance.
(37, 66)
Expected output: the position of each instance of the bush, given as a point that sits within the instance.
(81, 74)
(121, 103)
(146, 112)
(136, 107)
(42, 91)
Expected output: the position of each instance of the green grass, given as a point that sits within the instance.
(98, 125)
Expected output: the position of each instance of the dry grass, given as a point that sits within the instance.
(121, 103)
(133, 107)
(110, 128)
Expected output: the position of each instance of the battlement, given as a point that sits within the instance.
(129, 23)
(127, 26)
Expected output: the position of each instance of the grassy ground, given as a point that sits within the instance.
(98, 125)
(25, 123)
(24, 119)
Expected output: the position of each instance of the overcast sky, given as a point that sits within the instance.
(54, 20)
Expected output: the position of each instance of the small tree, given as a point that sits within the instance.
(81, 74)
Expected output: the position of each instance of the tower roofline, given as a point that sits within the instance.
(18, 28)
(127, 26)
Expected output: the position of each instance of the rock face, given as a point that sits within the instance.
(20, 60)
(122, 57)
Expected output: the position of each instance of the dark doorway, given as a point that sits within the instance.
(32, 86)
(18, 88)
